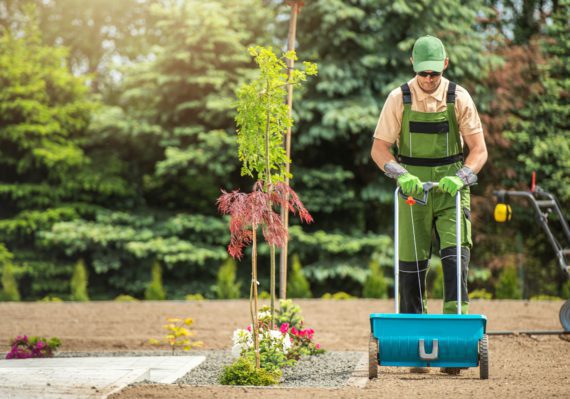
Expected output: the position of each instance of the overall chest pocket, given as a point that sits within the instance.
(428, 135)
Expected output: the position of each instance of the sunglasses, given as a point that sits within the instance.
(425, 74)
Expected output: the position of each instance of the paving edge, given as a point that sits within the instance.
(359, 376)
(135, 375)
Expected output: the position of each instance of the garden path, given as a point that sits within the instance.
(87, 378)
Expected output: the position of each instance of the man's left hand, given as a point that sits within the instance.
(451, 185)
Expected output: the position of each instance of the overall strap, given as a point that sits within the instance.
(407, 100)
(407, 93)
(451, 92)
(455, 139)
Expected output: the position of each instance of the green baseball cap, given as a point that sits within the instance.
(428, 54)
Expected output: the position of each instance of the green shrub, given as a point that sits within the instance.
(297, 283)
(264, 295)
(545, 298)
(508, 286)
(78, 282)
(338, 296)
(49, 298)
(10, 290)
(375, 285)
(243, 372)
(9, 284)
(126, 298)
(435, 279)
(289, 313)
(155, 290)
(480, 294)
(226, 286)
(566, 290)
(194, 297)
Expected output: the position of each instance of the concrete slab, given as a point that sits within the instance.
(87, 377)
(359, 377)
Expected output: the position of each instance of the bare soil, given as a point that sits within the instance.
(520, 366)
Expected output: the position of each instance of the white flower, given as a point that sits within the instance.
(241, 336)
(286, 343)
(264, 314)
(275, 334)
(236, 350)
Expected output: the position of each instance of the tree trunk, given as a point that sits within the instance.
(255, 326)
(285, 211)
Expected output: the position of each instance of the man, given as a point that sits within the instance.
(430, 118)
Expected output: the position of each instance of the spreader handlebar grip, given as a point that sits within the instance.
(427, 186)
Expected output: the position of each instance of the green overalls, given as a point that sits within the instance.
(430, 148)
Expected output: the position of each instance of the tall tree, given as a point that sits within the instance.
(98, 34)
(170, 135)
(186, 94)
(527, 122)
(44, 112)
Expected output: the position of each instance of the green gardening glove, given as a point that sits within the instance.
(451, 185)
(410, 184)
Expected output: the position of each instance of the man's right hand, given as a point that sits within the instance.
(410, 184)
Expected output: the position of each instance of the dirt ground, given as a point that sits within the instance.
(520, 366)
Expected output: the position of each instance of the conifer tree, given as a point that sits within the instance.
(375, 285)
(155, 289)
(539, 131)
(79, 282)
(226, 286)
(508, 286)
(10, 290)
(298, 285)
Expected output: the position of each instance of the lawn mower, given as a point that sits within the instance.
(544, 204)
(428, 340)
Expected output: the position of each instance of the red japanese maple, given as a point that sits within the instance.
(248, 211)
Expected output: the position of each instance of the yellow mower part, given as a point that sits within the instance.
(503, 213)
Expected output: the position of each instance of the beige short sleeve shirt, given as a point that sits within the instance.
(390, 121)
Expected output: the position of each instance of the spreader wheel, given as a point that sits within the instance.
(565, 315)
(484, 358)
(372, 357)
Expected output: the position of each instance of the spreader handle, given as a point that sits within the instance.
(427, 186)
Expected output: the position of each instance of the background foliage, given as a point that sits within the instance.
(117, 133)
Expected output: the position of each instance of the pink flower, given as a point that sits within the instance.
(284, 328)
(294, 331)
(318, 346)
(40, 344)
(249, 328)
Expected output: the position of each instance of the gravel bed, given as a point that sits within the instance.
(331, 369)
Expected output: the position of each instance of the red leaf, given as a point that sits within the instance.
(248, 211)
